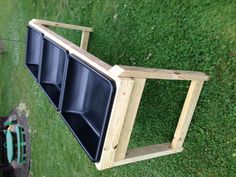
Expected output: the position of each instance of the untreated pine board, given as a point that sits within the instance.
(187, 113)
(85, 30)
(84, 40)
(62, 25)
(128, 124)
(152, 73)
(148, 152)
(120, 105)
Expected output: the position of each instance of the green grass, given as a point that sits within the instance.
(178, 34)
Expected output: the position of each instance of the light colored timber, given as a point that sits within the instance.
(61, 25)
(152, 73)
(128, 124)
(120, 105)
(187, 113)
(84, 40)
(148, 152)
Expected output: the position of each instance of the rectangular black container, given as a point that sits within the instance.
(34, 51)
(87, 101)
(53, 63)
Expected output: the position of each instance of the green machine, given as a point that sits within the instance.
(15, 143)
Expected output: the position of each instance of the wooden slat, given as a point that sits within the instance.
(119, 108)
(148, 152)
(130, 117)
(74, 49)
(187, 113)
(84, 40)
(149, 73)
(61, 25)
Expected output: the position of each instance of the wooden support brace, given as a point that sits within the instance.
(61, 25)
(120, 105)
(153, 73)
(130, 117)
(148, 152)
(187, 113)
(84, 40)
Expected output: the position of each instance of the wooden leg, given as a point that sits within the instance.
(130, 117)
(187, 113)
(84, 40)
(120, 105)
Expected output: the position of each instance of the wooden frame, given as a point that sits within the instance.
(130, 82)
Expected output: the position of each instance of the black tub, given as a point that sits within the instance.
(34, 51)
(53, 63)
(87, 101)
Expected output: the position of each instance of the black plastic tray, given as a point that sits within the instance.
(34, 51)
(81, 94)
(51, 70)
(87, 101)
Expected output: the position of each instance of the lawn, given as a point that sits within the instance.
(177, 34)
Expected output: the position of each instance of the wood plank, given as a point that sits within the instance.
(74, 49)
(130, 117)
(187, 113)
(61, 25)
(84, 40)
(152, 73)
(120, 105)
(148, 152)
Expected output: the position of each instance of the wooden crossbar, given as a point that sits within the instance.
(130, 82)
(61, 25)
(148, 152)
(153, 73)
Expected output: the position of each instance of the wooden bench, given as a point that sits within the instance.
(130, 82)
